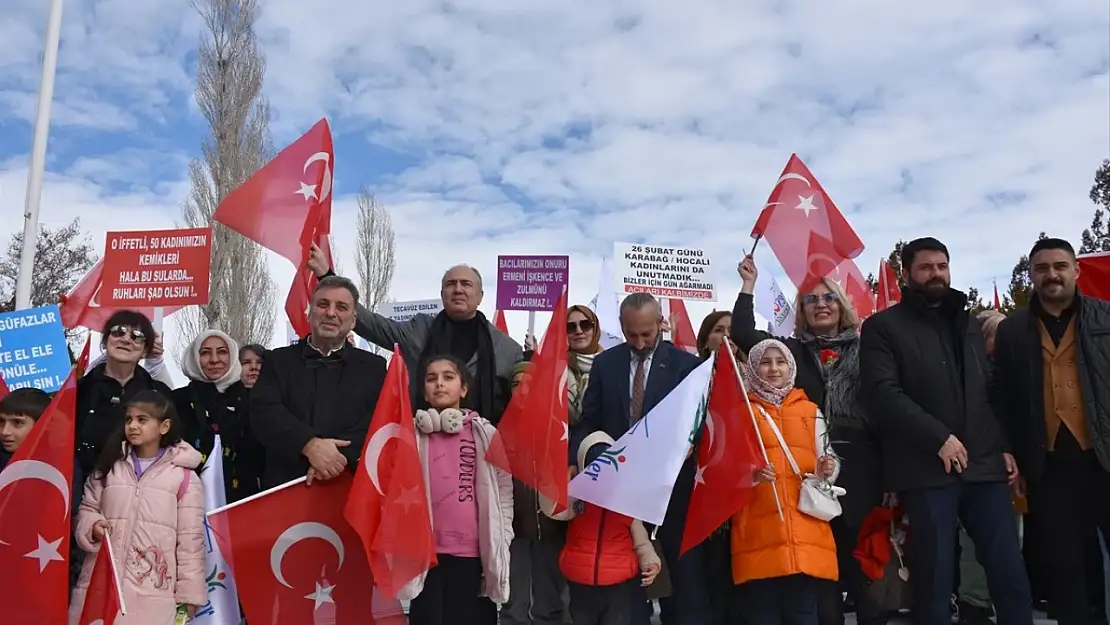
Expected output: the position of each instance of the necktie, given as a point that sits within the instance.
(637, 407)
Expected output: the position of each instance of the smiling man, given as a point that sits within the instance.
(460, 329)
(312, 404)
(1057, 409)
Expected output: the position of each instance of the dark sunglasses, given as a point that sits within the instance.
(585, 325)
(811, 299)
(119, 332)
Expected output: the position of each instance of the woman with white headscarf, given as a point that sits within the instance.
(216, 402)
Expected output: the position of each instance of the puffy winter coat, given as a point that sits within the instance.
(763, 546)
(157, 538)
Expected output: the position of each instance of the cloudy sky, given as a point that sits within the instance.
(562, 127)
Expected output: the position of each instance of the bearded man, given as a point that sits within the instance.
(923, 380)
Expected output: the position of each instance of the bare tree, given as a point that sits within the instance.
(375, 249)
(230, 71)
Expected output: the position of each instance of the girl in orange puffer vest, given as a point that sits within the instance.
(606, 556)
(776, 563)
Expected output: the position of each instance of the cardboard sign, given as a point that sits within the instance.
(531, 282)
(676, 272)
(33, 350)
(156, 268)
(403, 311)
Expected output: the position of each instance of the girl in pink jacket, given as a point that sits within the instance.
(144, 492)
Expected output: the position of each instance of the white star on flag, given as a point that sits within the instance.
(566, 431)
(409, 497)
(806, 204)
(322, 595)
(46, 553)
(699, 475)
(308, 191)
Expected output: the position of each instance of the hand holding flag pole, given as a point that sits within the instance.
(115, 576)
(755, 424)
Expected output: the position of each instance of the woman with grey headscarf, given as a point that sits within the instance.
(825, 347)
(216, 402)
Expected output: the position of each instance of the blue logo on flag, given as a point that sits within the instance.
(33, 349)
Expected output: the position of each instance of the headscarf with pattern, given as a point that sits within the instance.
(763, 389)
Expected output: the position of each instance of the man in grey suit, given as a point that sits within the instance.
(460, 330)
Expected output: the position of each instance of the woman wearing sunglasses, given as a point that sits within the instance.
(825, 346)
(126, 339)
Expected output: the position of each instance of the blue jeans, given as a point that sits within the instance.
(986, 511)
(790, 600)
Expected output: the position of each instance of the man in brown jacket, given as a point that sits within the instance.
(1051, 389)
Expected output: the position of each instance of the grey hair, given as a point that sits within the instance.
(477, 273)
(989, 320)
(638, 301)
(337, 282)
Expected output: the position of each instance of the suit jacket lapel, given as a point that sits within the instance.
(624, 381)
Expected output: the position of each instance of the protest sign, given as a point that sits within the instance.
(33, 350)
(156, 268)
(532, 283)
(675, 272)
(403, 311)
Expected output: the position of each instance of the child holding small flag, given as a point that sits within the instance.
(606, 556)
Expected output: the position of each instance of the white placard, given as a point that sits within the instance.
(664, 271)
(403, 311)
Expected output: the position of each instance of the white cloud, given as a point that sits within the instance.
(570, 124)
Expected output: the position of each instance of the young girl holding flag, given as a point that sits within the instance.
(145, 492)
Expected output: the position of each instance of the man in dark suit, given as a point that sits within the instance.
(626, 382)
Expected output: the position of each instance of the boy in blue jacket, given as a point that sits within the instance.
(19, 411)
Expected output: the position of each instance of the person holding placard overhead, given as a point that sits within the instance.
(127, 337)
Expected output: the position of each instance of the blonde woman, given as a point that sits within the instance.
(825, 347)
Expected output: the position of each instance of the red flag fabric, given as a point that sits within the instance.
(388, 504)
(889, 294)
(997, 302)
(34, 524)
(3, 388)
(102, 596)
(805, 230)
(855, 286)
(682, 330)
(727, 457)
(285, 207)
(295, 559)
(532, 437)
(499, 322)
(81, 306)
(1094, 275)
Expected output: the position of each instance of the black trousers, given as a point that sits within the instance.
(450, 595)
(790, 600)
(1071, 500)
(603, 605)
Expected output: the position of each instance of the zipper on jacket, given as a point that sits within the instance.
(597, 552)
(132, 507)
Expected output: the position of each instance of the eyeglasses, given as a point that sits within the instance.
(811, 299)
(585, 326)
(118, 332)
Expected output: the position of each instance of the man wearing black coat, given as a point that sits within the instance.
(313, 401)
(923, 379)
(1051, 387)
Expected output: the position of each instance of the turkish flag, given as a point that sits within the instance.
(727, 457)
(889, 294)
(3, 388)
(850, 279)
(102, 596)
(81, 306)
(35, 507)
(388, 504)
(295, 559)
(1094, 275)
(532, 437)
(500, 323)
(803, 227)
(285, 207)
(997, 302)
(682, 329)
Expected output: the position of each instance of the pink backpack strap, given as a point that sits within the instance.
(184, 484)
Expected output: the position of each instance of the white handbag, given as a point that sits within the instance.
(818, 497)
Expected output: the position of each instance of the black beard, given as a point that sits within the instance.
(933, 291)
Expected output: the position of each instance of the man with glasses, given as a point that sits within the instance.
(923, 378)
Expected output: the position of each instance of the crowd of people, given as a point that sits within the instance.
(942, 430)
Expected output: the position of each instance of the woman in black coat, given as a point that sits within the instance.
(216, 401)
(825, 346)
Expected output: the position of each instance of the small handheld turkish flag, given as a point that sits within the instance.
(102, 597)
